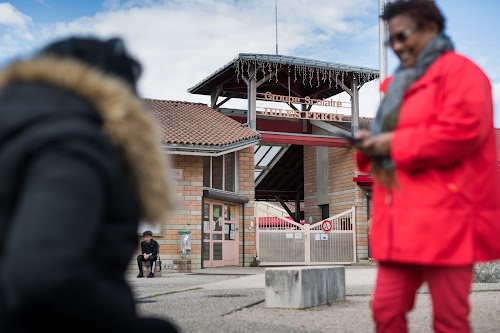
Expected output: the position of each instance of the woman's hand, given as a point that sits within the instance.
(379, 145)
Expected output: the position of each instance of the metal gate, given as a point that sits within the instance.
(282, 241)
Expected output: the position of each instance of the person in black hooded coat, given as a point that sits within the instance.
(80, 166)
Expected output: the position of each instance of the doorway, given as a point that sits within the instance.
(220, 234)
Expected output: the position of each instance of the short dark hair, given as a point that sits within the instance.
(147, 233)
(423, 11)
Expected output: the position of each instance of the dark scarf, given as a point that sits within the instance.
(388, 113)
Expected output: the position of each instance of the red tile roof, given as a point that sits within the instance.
(186, 123)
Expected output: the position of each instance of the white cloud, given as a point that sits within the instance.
(179, 42)
(43, 3)
(15, 35)
(10, 16)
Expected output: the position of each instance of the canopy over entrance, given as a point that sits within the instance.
(316, 79)
(300, 83)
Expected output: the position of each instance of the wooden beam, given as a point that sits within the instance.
(225, 100)
(303, 140)
(267, 76)
(341, 84)
(297, 207)
(285, 207)
(215, 95)
(319, 90)
(263, 80)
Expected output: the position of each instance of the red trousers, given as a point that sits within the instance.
(396, 288)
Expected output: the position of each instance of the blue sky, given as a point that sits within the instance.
(180, 42)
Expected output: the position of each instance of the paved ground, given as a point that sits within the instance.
(231, 299)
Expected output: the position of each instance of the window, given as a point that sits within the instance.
(220, 172)
(217, 172)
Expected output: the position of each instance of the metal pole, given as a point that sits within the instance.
(276, 19)
(243, 254)
(252, 101)
(354, 105)
(202, 229)
(382, 47)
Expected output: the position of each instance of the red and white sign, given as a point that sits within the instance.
(326, 226)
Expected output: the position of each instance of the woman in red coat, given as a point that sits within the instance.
(432, 150)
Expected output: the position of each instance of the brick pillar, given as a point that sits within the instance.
(247, 189)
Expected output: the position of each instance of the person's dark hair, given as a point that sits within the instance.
(147, 233)
(108, 56)
(423, 11)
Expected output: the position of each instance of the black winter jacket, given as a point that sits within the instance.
(151, 248)
(70, 199)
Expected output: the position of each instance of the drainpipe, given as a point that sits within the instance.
(202, 229)
(243, 212)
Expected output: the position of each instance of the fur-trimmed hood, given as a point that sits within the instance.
(126, 122)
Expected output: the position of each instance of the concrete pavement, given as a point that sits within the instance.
(231, 299)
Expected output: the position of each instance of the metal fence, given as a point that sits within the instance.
(281, 241)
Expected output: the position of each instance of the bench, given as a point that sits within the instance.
(146, 268)
(304, 287)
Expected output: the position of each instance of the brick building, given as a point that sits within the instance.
(232, 190)
(211, 162)
(224, 160)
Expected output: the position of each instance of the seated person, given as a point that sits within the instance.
(149, 250)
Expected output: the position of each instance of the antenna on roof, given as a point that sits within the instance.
(276, 12)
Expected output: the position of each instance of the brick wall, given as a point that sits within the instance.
(341, 186)
(247, 188)
(189, 191)
(361, 223)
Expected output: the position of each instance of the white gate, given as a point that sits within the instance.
(282, 241)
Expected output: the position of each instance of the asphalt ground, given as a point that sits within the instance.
(231, 299)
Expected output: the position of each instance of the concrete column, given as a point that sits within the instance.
(322, 171)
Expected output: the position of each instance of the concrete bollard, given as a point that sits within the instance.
(304, 287)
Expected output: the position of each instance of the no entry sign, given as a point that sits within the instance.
(326, 226)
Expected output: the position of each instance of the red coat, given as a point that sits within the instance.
(446, 210)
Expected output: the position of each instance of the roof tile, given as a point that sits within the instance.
(186, 123)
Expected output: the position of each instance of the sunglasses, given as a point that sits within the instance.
(400, 37)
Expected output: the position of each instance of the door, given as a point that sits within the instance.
(230, 246)
(220, 234)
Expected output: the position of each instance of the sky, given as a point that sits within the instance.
(180, 42)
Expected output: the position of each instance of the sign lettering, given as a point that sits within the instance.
(301, 114)
(268, 96)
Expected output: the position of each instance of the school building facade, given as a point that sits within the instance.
(225, 161)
